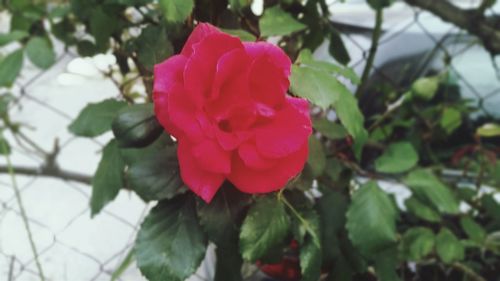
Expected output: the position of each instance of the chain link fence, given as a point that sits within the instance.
(72, 246)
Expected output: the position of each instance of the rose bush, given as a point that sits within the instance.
(238, 134)
(226, 104)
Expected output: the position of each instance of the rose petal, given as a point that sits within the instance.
(231, 140)
(201, 66)
(168, 73)
(211, 157)
(168, 78)
(182, 114)
(267, 83)
(201, 31)
(285, 134)
(252, 158)
(205, 184)
(302, 105)
(267, 180)
(272, 52)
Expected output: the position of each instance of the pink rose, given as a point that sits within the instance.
(226, 104)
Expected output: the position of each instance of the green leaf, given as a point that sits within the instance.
(417, 243)
(276, 22)
(397, 158)
(157, 176)
(427, 187)
(4, 146)
(371, 219)
(317, 156)
(491, 206)
(473, 230)
(153, 46)
(421, 210)
(426, 88)
(15, 35)
(351, 117)
(5, 100)
(448, 247)
(237, 5)
(40, 52)
(170, 244)
(240, 33)
(86, 48)
(492, 242)
(221, 218)
(176, 11)
(329, 129)
(10, 66)
(228, 265)
(306, 58)
(124, 265)
(136, 126)
(108, 179)
(332, 208)
(265, 226)
(96, 118)
(488, 130)
(450, 120)
(317, 86)
(386, 263)
(102, 26)
(310, 260)
(337, 48)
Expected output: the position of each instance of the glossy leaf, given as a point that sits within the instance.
(276, 22)
(6, 38)
(96, 118)
(330, 129)
(108, 179)
(221, 218)
(417, 243)
(371, 219)
(157, 176)
(266, 225)
(153, 46)
(427, 187)
(10, 66)
(397, 158)
(386, 263)
(448, 247)
(40, 52)
(136, 126)
(473, 230)
(421, 210)
(317, 86)
(317, 156)
(176, 11)
(170, 244)
(450, 120)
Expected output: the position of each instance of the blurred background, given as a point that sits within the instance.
(71, 245)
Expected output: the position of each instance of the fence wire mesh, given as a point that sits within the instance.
(71, 246)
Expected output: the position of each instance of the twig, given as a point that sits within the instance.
(373, 50)
(468, 271)
(24, 216)
(53, 172)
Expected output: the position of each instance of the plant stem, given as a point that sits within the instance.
(23, 214)
(304, 222)
(377, 31)
(468, 272)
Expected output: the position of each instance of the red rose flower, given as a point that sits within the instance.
(226, 104)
